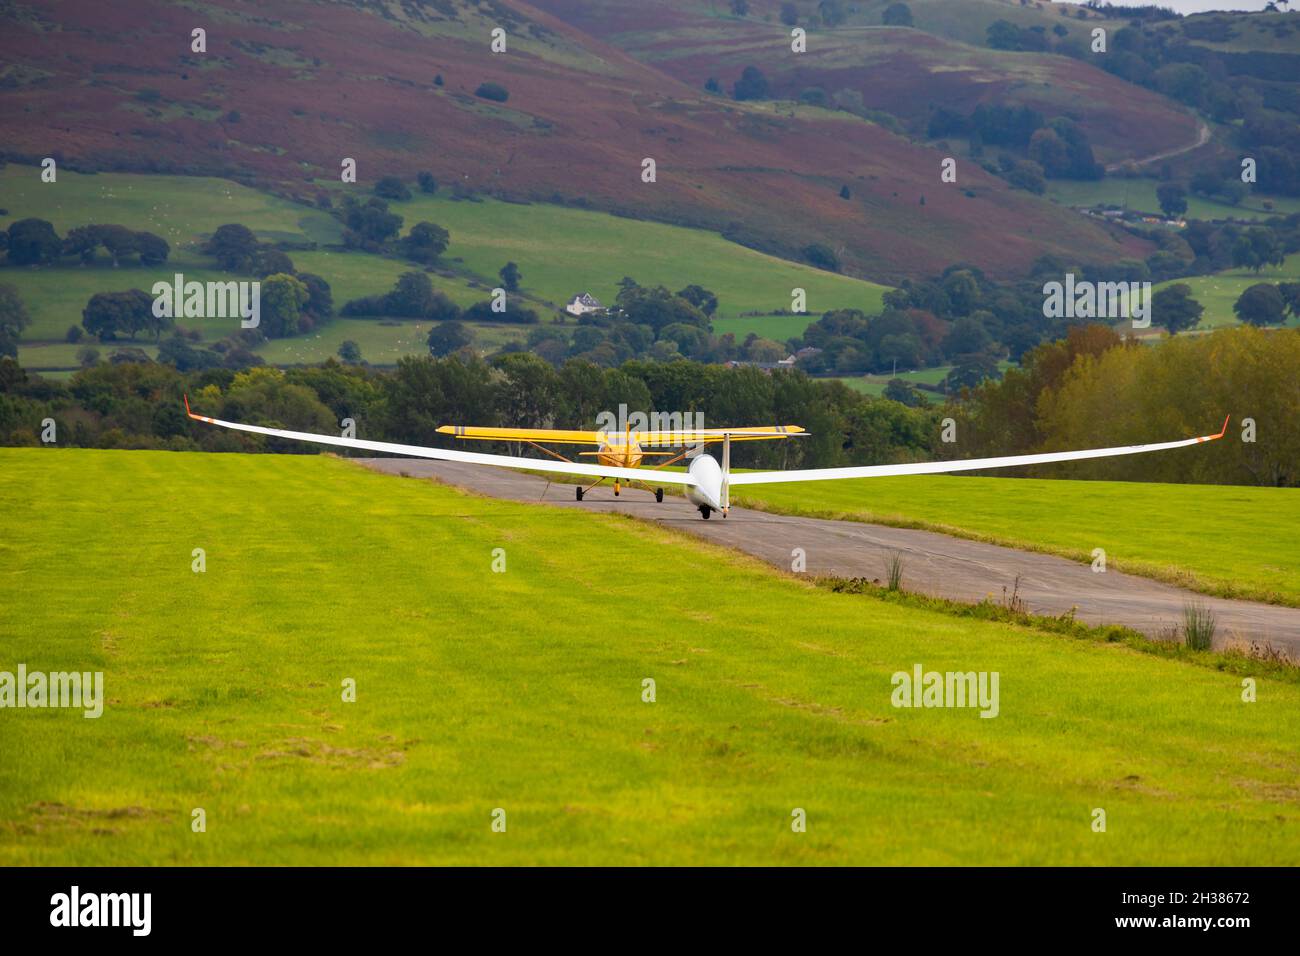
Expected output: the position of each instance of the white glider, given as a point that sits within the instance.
(707, 483)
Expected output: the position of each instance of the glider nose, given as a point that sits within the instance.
(707, 489)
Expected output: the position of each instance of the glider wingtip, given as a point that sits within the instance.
(190, 414)
(1224, 431)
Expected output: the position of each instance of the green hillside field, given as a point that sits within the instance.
(875, 384)
(1220, 292)
(560, 251)
(778, 328)
(1140, 195)
(1202, 536)
(184, 211)
(523, 691)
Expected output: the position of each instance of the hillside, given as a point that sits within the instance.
(897, 70)
(287, 89)
(224, 692)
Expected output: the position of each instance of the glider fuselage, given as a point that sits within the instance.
(707, 489)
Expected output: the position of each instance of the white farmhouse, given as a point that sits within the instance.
(582, 303)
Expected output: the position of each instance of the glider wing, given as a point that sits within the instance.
(445, 454)
(970, 464)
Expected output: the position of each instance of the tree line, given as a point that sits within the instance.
(1096, 389)
(138, 404)
(1090, 388)
(34, 242)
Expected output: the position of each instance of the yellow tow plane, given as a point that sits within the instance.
(626, 449)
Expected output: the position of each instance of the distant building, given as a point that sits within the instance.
(787, 362)
(583, 303)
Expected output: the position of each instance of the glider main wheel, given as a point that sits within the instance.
(615, 492)
(579, 491)
(659, 495)
(705, 511)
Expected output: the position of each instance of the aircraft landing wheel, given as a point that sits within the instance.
(659, 495)
(579, 491)
(705, 511)
(616, 492)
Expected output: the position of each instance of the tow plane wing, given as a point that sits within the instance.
(447, 454)
(646, 439)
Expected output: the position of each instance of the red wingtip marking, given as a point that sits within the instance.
(1225, 427)
(197, 418)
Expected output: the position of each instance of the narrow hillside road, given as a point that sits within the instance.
(933, 564)
(1202, 137)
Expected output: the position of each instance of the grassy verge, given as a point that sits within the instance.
(1244, 661)
(1202, 537)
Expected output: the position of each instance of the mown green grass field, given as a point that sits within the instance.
(1223, 540)
(523, 690)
